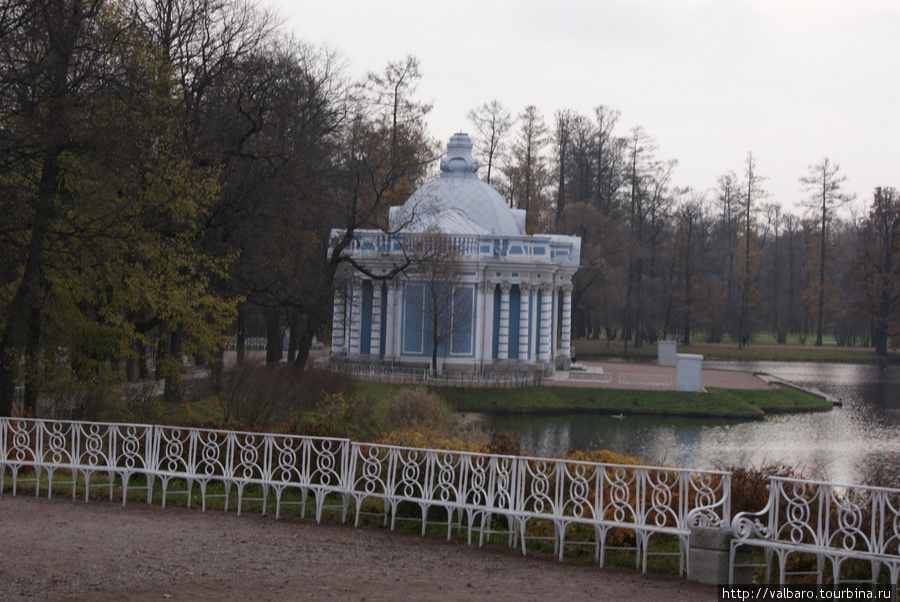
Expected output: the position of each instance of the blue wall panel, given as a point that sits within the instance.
(462, 341)
(365, 330)
(514, 308)
(413, 315)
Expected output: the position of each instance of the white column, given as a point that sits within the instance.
(375, 337)
(398, 320)
(356, 288)
(546, 322)
(389, 323)
(534, 340)
(524, 309)
(348, 302)
(479, 320)
(566, 335)
(503, 347)
(337, 322)
(554, 324)
(488, 343)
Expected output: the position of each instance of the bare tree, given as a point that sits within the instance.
(689, 250)
(438, 270)
(825, 184)
(748, 291)
(392, 93)
(565, 124)
(610, 159)
(876, 270)
(777, 310)
(527, 171)
(645, 181)
(492, 122)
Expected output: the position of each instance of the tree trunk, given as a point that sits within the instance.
(169, 359)
(27, 305)
(274, 339)
(32, 363)
(304, 329)
(240, 339)
(293, 335)
(434, 345)
(143, 371)
(820, 319)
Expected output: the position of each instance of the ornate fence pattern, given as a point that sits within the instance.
(479, 493)
(568, 502)
(823, 522)
(449, 378)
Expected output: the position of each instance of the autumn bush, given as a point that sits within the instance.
(265, 396)
(604, 456)
(750, 484)
(419, 410)
(71, 399)
(99, 401)
(503, 444)
(427, 440)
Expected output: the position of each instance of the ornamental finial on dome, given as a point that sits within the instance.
(459, 162)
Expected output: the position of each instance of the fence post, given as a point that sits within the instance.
(708, 556)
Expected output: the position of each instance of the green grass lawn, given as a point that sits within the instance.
(731, 403)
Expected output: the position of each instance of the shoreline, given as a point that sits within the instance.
(725, 395)
(595, 350)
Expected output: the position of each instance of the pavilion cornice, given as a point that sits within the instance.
(564, 251)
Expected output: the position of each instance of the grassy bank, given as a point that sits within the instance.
(732, 403)
(760, 352)
(328, 404)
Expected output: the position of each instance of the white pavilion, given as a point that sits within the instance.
(514, 294)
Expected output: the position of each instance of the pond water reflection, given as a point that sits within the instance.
(845, 445)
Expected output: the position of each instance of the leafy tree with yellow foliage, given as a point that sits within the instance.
(102, 207)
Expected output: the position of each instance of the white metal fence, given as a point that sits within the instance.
(576, 503)
(448, 378)
(479, 493)
(806, 524)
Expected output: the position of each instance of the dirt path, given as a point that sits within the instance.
(64, 550)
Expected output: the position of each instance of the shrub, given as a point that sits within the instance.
(96, 401)
(260, 395)
(427, 441)
(417, 409)
(604, 456)
(502, 444)
(749, 484)
(245, 393)
(143, 402)
(886, 476)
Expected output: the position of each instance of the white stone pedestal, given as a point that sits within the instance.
(666, 352)
(708, 557)
(688, 369)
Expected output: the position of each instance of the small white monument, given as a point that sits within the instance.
(666, 352)
(688, 370)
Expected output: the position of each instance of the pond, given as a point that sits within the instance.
(845, 445)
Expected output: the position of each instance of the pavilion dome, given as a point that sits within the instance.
(458, 202)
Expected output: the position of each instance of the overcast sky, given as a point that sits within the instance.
(791, 81)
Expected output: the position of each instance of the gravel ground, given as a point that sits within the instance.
(64, 550)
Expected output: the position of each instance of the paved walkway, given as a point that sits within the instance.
(61, 549)
(621, 375)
